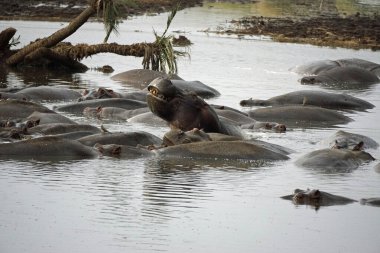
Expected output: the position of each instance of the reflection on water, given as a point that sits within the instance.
(112, 205)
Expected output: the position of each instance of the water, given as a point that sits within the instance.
(111, 205)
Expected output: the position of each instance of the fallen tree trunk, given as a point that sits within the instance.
(56, 37)
(56, 58)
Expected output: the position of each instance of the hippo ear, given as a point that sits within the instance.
(116, 151)
(316, 193)
(358, 146)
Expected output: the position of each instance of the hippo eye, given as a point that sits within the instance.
(186, 140)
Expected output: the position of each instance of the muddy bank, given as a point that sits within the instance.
(357, 32)
(65, 10)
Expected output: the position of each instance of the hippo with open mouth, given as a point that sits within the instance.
(183, 110)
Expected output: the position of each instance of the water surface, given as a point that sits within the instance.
(111, 205)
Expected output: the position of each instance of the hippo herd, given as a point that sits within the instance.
(197, 130)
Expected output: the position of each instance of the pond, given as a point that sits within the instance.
(151, 205)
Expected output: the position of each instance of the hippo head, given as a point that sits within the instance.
(176, 136)
(182, 110)
(108, 150)
(100, 93)
(308, 197)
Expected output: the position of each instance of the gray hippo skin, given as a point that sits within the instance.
(141, 78)
(316, 198)
(46, 148)
(102, 93)
(78, 107)
(182, 110)
(343, 77)
(343, 139)
(208, 150)
(62, 128)
(113, 113)
(43, 93)
(370, 202)
(123, 151)
(316, 67)
(131, 139)
(298, 115)
(18, 109)
(47, 118)
(334, 159)
(148, 118)
(224, 150)
(312, 97)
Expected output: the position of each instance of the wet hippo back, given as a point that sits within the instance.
(16, 109)
(46, 148)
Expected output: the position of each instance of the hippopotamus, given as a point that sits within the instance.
(141, 78)
(61, 128)
(317, 198)
(46, 148)
(177, 136)
(19, 109)
(370, 202)
(344, 77)
(43, 93)
(131, 139)
(148, 118)
(182, 110)
(317, 67)
(123, 151)
(113, 113)
(47, 118)
(313, 97)
(343, 139)
(208, 150)
(78, 107)
(102, 93)
(298, 115)
(334, 159)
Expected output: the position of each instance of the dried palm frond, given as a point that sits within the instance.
(108, 10)
(161, 56)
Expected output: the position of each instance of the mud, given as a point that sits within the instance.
(357, 32)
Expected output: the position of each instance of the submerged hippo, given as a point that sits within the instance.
(317, 198)
(182, 110)
(334, 159)
(47, 118)
(370, 202)
(317, 67)
(141, 78)
(343, 139)
(78, 107)
(130, 139)
(46, 148)
(208, 150)
(19, 109)
(43, 93)
(102, 93)
(62, 128)
(312, 97)
(298, 115)
(345, 77)
(177, 136)
(113, 113)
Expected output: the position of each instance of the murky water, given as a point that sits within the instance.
(111, 205)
